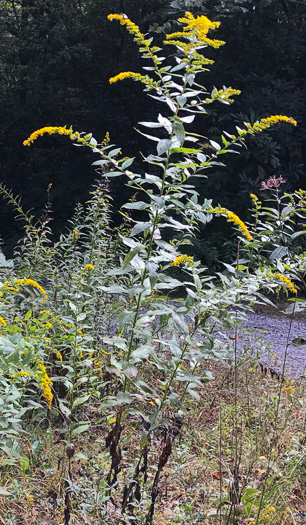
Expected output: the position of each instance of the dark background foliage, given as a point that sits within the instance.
(55, 61)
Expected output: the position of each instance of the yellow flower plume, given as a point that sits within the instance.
(50, 130)
(232, 217)
(149, 82)
(195, 28)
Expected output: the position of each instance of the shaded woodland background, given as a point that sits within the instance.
(56, 58)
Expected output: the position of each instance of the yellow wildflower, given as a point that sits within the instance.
(149, 82)
(266, 123)
(266, 515)
(196, 28)
(81, 354)
(2, 321)
(21, 373)
(132, 28)
(15, 287)
(284, 280)
(232, 217)
(50, 130)
(88, 267)
(45, 384)
(30, 499)
(224, 94)
(288, 389)
(183, 259)
(59, 355)
(48, 325)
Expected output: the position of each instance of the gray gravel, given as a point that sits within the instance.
(275, 332)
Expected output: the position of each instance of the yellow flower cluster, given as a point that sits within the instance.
(288, 389)
(266, 123)
(224, 94)
(21, 373)
(14, 287)
(266, 515)
(45, 384)
(149, 82)
(196, 28)
(50, 130)
(44, 299)
(2, 321)
(232, 217)
(284, 280)
(88, 267)
(132, 28)
(183, 259)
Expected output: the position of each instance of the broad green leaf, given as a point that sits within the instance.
(127, 163)
(79, 401)
(179, 131)
(124, 398)
(79, 430)
(140, 227)
(140, 205)
(215, 145)
(4, 492)
(163, 146)
(130, 256)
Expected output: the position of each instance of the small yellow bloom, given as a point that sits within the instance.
(224, 94)
(288, 389)
(21, 373)
(48, 325)
(183, 259)
(2, 321)
(88, 267)
(59, 355)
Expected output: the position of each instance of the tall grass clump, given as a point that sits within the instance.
(121, 332)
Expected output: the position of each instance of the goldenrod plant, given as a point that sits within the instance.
(117, 343)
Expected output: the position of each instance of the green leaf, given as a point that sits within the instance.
(181, 99)
(124, 398)
(297, 234)
(113, 174)
(215, 145)
(127, 163)
(79, 401)
(140, 227)
(150, 124)
(4, 492)
(100, 162)
(179, 131)
(79, 430)
(63, 408)
(130, 256)
(113, 152)
(163, 146)
(140, 205)
(28, 315)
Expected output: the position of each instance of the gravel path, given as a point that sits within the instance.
(274, 331)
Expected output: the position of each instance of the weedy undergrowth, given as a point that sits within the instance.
(111, 350)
